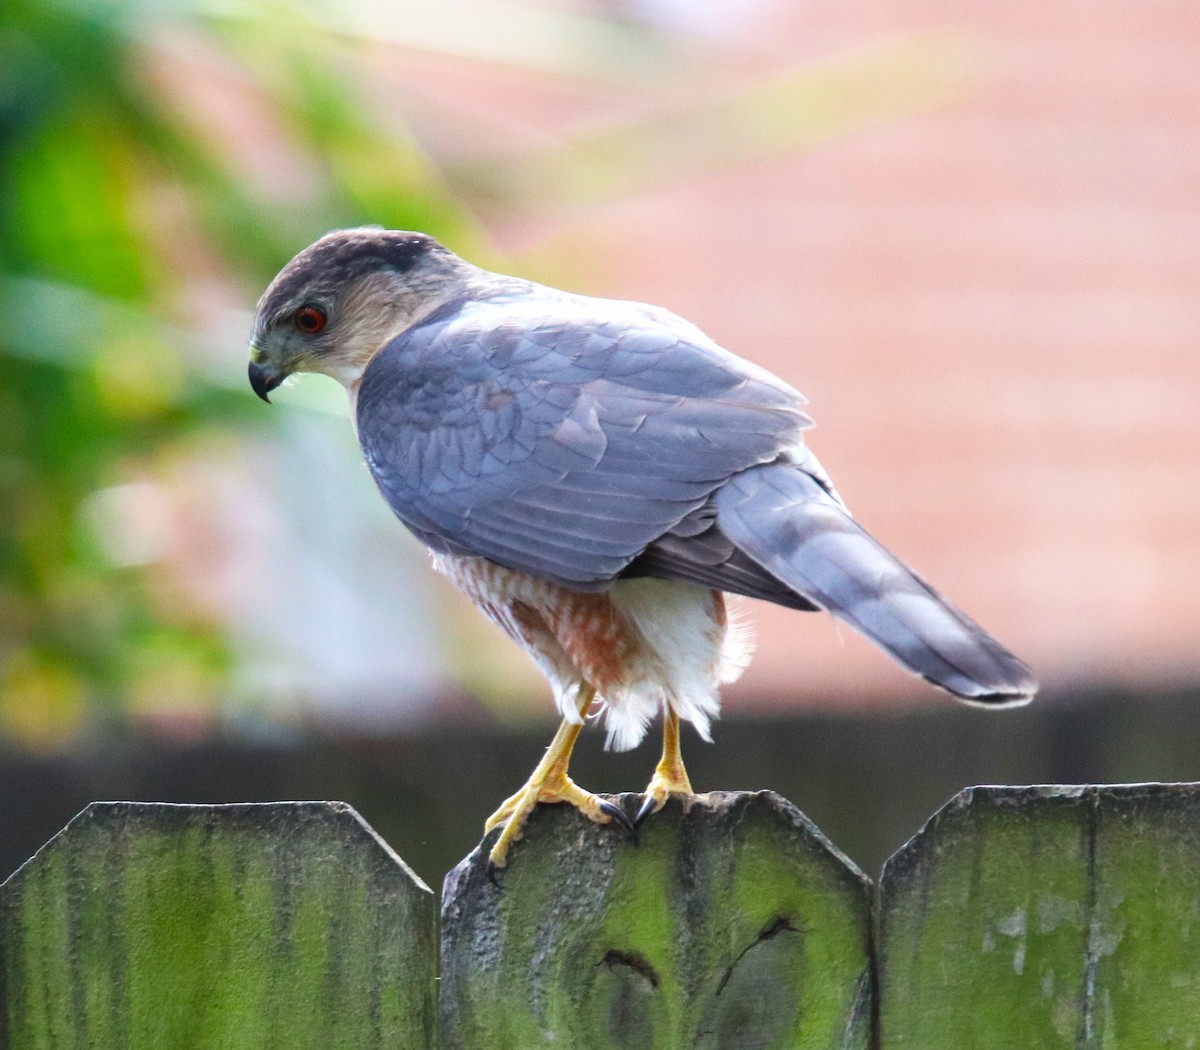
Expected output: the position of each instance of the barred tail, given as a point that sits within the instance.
(787, 522)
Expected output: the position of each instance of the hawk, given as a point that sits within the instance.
(597, 476)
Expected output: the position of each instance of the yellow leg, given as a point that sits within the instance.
(670, 776)
(550, 783)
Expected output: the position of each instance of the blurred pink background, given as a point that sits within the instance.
(992, 306)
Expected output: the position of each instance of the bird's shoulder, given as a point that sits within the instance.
(523, 333)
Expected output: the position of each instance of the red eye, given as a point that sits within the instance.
(310, 320)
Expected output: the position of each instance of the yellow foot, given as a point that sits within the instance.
(665, 783)
(550, 783)
(670, 777)
(514, 811)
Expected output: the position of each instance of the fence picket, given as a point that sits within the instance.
(1046, 916)
(732, 923)
(285, 925)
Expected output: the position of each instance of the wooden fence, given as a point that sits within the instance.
(1018, 917)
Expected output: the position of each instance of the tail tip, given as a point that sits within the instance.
(1016, 695)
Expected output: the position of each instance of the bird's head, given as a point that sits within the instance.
(342, 298)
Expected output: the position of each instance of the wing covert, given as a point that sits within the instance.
(559, 435)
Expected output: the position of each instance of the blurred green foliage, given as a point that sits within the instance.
(100, 377)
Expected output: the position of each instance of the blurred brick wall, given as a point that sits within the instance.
(993, 309)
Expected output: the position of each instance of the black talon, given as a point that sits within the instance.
(493, 870)
(619, 815)
(646, 809)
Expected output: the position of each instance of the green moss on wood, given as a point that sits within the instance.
(731, 923)
(273, 925)
(1046, 917)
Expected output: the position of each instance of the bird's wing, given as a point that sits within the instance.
(561, 436)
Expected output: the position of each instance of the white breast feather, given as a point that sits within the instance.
(688, 656)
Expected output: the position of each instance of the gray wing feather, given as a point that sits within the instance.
(709, 558)
(562, 436)
(790, 524)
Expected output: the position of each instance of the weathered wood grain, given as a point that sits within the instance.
(1046, 917)
(286, 925)
(732, 923)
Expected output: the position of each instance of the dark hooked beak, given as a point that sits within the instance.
(264, 380)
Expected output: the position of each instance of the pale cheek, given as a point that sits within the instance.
(343, 361)
(346, 371)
